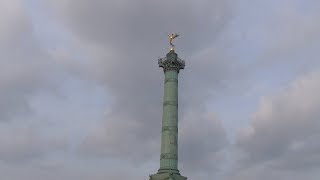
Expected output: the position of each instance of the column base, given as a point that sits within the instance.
(167, 176)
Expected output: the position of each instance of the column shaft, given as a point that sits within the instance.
(169, 139)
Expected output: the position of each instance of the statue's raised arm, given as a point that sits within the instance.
(171, 38)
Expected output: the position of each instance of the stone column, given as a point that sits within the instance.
(171, 65)
(169, 139)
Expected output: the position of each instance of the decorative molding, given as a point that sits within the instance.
(169, 156)
(170, 128)
(172, 103)
(171, 80)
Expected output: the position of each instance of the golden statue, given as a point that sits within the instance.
(171, 38)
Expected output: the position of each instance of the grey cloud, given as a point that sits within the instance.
(203, 140)
(75, 171)
(19, 143)
(293, 30)
(282, 133)
(265, 173)
(284, 33)
(24, 66)
(133, 26)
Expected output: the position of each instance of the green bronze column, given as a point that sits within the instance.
(171, 65)
(169, 143)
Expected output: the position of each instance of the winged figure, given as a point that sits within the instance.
(171, 38)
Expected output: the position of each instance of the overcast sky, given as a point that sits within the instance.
(81, 91)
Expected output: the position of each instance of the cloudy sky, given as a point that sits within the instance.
(81, 90)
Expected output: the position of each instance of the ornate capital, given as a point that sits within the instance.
(171, 62)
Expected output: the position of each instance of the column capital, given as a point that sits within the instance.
(171, 62)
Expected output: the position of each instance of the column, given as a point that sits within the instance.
(169, 140)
